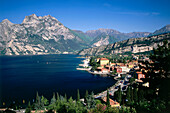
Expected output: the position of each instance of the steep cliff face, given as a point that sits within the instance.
(38, 35)
(134, 45)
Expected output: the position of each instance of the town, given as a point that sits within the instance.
(122, 72)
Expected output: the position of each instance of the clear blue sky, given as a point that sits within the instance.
(122, 15)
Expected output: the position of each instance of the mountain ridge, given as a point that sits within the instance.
(38, 35)
(47, 35)
(132, 45)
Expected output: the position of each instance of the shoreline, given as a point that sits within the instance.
(110, 89)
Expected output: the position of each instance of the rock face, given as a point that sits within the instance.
(165, 29)
(133, 45)
(38, 35)
(108, 36)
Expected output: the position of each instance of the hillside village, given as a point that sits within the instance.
(132, 71)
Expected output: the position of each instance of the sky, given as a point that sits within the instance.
(122, 15)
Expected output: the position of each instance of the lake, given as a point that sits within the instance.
(22, 76)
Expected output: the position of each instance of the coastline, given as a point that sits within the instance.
(110, 89)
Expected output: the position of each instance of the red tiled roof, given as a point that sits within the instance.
(138, 72)
(112, 102)
(104, 59)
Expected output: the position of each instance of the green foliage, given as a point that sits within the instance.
(135, 95)
(128, 96)
(28, 109)
(118, 95)
(78, 95)
(108, 99)
(91, 103)
(125, 109)
(52, 105)
(86, 95)
(161, 58)
(94, 64)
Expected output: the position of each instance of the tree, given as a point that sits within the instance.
(86, 95)
(135, 95)
(37, 102)
(91, 103)
(141, 95)
(161, 58)
(78, 95)
(118, 95)
(28, 109)
(52, 105)
(108, 99)
(44, 100)
(128, 96)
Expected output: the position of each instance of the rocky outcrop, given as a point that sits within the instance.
(133, 45)
(38, 35)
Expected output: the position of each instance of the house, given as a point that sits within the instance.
(112, 102)
(130, 65)
(140, 75)
(120, 64)
(104, 61)
(112, 64)
(125, 68)
(118, 70)
(102, 70)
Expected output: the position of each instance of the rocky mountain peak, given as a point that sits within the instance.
(34, 19)
(7, 22)
(30, 19)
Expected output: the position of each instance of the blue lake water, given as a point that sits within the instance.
(22, 76)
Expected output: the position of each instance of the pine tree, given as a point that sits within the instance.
(135, 95)
(52, 105)
(86, 95)
(37, 102)
(128, 96)
(78, 95)
(28, 109)
(119, 95)
(91, 103)
(65, 97)
(108, 99)
(140, 95)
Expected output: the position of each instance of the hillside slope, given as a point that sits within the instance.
(133, 45)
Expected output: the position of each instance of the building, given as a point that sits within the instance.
(118, 70)
(120, 64)
(104, 61)
(102, 70)
(140, 75)
(125, 68)
(112, 102)
(112, 64)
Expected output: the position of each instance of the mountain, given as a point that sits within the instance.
(165, 29)
(108, 36)
(86, 38)
(132, 45)
(38, 35)
(46, 35)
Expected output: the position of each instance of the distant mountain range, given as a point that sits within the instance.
(132, 45)
(46, 35)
